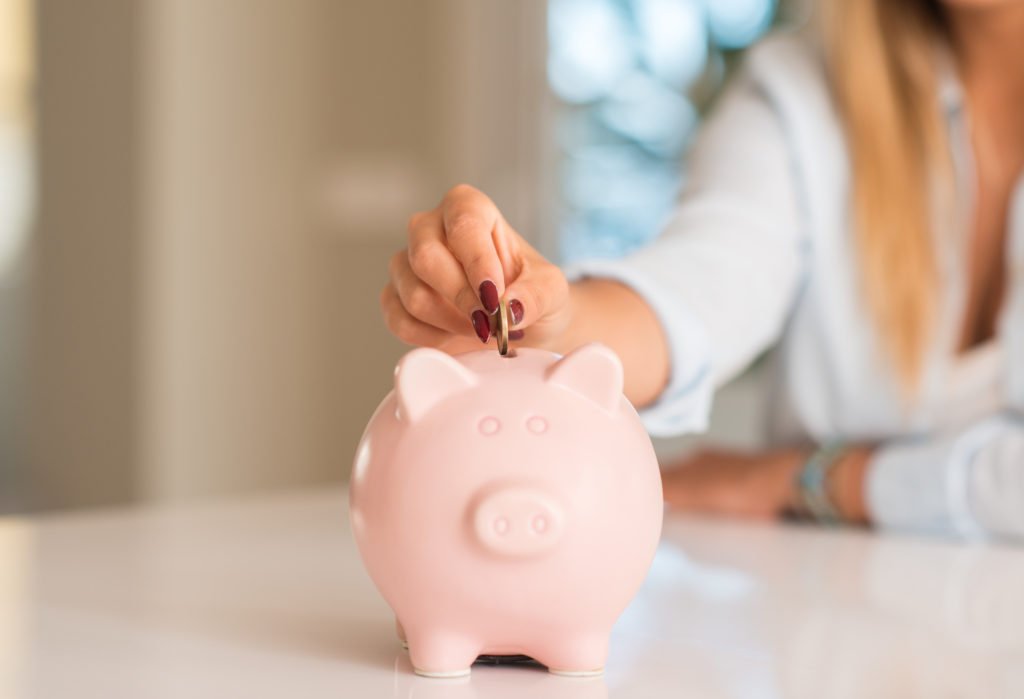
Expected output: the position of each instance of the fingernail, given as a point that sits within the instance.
(515, 307)
(481, 325)
(489, 295)
(516, 334)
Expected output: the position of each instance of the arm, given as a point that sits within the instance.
(762, 485)
(966, 483)
(463, 256)
(614, 314)
(685, 313)
(725, 271)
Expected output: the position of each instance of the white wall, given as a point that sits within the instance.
(263, 352)
(234, 326)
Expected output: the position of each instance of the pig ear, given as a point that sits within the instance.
(593, 371)
(425, 377)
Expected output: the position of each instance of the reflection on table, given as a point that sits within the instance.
(266, 597)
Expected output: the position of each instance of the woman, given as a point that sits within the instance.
(854, 203)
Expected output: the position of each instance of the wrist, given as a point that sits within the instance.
(846, 485)
(611, 312)
(571, 328)
(829, 485)
(569, 337)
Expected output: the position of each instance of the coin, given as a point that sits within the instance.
(501, 327)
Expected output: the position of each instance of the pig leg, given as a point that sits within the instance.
(401, 634)
(578, 655)
(438, 653)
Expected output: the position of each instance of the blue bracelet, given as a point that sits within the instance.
(812, 484)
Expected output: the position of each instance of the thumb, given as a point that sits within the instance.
(537, 293)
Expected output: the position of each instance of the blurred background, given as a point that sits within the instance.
(198, 200)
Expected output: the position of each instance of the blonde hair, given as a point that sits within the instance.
(880, 57)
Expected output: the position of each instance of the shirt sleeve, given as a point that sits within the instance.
(968, 483)
(723, 274)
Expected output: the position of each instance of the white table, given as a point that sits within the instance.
(266, 597)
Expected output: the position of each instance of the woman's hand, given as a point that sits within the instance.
(761, 485)
(462, 257)
(756, 485)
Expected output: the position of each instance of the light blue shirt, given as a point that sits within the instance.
(759, 255)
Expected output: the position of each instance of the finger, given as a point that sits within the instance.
(510, 249)
(421, 301)
(471, 229)
(406, 328)
(535, 292)
(434, 264)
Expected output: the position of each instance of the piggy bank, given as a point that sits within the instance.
(506, 506)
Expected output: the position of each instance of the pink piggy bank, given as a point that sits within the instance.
(507, 505)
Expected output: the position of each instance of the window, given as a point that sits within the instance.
(16, 199)
(632, 78)
(15, 134)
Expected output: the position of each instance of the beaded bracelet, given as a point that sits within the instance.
(812, 485)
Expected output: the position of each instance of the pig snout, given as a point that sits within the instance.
(518, 521)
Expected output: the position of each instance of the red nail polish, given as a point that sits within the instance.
(515, 307)
(481, 326)
(516, 334)
(489, 295)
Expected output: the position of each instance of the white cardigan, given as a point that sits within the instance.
(758, 254)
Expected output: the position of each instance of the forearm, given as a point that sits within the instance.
(960, 484)
(611, 313)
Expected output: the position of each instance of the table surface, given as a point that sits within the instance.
(267, 597)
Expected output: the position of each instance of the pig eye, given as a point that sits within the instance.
(537, 424)
(489, 425)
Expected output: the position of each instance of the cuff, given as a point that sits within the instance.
(685, 403)
(923, 485)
